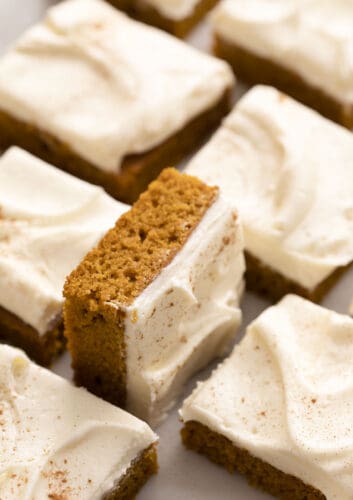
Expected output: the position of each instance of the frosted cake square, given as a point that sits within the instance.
(158, 298)
(279, 410)
(76, 94)
(60, 442)
(289, 171)
(49, 220)
(303, 48)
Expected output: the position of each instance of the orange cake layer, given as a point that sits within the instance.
(264, 280)
(261, 475)
(41, 348)
(136, 476)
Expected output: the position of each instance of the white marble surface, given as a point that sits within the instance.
(183, 475)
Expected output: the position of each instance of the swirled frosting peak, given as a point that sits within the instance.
(286, 395)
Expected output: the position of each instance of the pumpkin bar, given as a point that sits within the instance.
(158, 298)
(76, 94)
(49, 220)
(289, 172)
(279, 410)
(302, 48)
(60, 442)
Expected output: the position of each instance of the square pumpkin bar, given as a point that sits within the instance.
(49, 220)
(289, 172)
(60, 442)
(158, 298)
(106, 98)
(303, 48)
(279, 410)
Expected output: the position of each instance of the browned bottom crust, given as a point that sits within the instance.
(258, 473)
(150, 15)
(269, 283)
(136, 476)
(255, 69)
(41, 348)
(137, 170)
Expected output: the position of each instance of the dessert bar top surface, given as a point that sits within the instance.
(130, 86)
(49, 220)
(289, 171)
(312, 38)
(143, 241)
(59, 441)
(296, 412)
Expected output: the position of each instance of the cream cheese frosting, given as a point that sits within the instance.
(187, 316)
(289, 171)
(286, 395)
(106, 85)
(49, 220)
(57, 440)
(313, 38)
(177, 10)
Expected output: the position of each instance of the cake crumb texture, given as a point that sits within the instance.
(43, 349)
(143, 241)
(136, 476)
(261, 475)
(254, 69)
(267, 282)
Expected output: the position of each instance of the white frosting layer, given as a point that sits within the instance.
(289, 171)
(49, 220)
(187, 316)
(177, 10)
(286, 395)
(59, 441)
(106, 85)
(314, 38)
